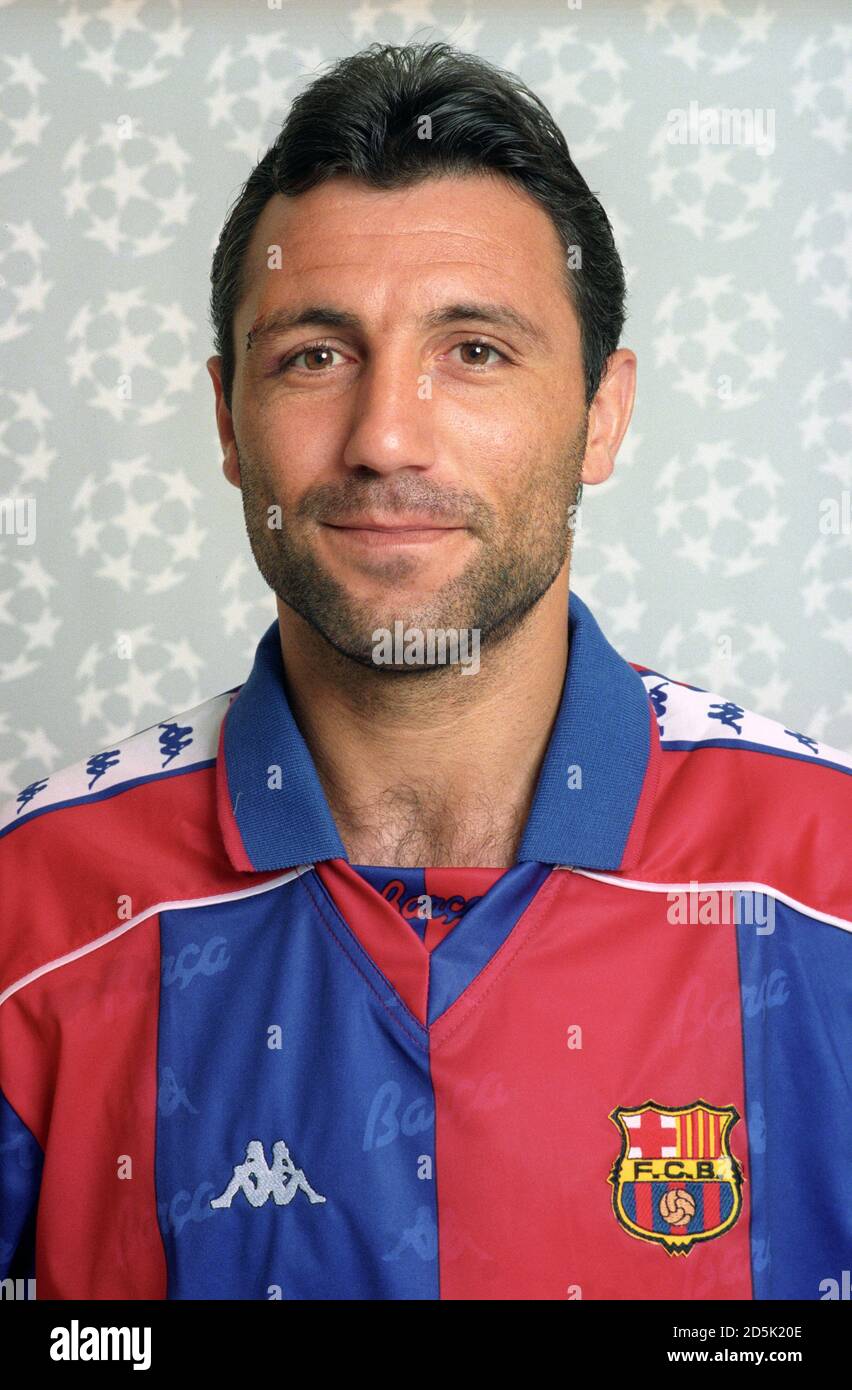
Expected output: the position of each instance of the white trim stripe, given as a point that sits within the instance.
(143, 916)
(692, 716)
(143, 756)
(696, 887)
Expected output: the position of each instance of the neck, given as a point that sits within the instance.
(438, 768)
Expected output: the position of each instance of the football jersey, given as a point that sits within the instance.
(234, 1065)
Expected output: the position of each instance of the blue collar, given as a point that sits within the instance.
(586, 798)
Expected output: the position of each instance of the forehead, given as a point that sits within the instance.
(475, 227)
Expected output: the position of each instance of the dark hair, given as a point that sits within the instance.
(362, 119)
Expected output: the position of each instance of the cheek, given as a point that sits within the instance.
(280, 467)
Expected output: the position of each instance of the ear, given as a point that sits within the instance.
(609, 416)
(224, 424)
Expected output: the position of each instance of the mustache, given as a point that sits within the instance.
(331, 502)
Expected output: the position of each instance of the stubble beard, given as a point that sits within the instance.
(493, 595)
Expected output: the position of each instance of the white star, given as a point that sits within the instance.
(30, 408)
(767, 529)
(260, 46)
(184, 659)
(839, 630)
(834, 132)
(140, 688)
(102, 63)
(234, 615)
(719, 504)
(716, 336)
(90, 704)
(168, 151)
(42, 632)
(35, 576)
(708, 288)
(754, 28)
(761, 309)
(175, 210)
(151, 244)
(836, 298)
(118, 569)
(710, 167)
(181, 374)
(805, 93)
(364, 19)
(87, 535)
(220, 106)
(107, 398)
(667, 346)
(763, 366)
(26, 239)
(698, 551)
(694, 384)
(177, 487)
(762, 474)
(71, 25)
(36, 464)
(688, 48)
(693, 216)
(22, 73)
(122, 16)
(127, 181)
(39, 747)
(28, 129)
(669, 515)
(76, 196)
(120, 302)
(79, 362)
(760, 194)
(107, 231)
(81, 323)
(765, 641)
(174, 320)
(130, 350)
(770, 697)
(135, 520)
(171, 42)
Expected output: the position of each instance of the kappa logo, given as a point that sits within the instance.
(259, 1181)
(676, 1182)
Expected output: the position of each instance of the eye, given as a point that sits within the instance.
(317, 349)
(311, 349)
(485, 347)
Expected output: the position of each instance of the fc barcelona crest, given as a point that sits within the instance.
(676, 1182)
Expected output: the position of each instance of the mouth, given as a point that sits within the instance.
(367, 532)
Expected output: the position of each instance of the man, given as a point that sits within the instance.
(452, 955)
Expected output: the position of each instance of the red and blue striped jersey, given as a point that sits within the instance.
(235, 1065)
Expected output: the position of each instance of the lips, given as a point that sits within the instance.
(373, 533)
(407, 524)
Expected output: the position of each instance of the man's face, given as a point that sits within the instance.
(398, 472)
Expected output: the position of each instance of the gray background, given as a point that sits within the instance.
(702, 557)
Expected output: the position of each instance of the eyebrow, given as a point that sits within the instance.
(279, 321)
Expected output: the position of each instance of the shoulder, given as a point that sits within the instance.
(742, 800)
(91, 850)
(177, 744)
(691, 718)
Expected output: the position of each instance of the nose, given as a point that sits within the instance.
(392, 415)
